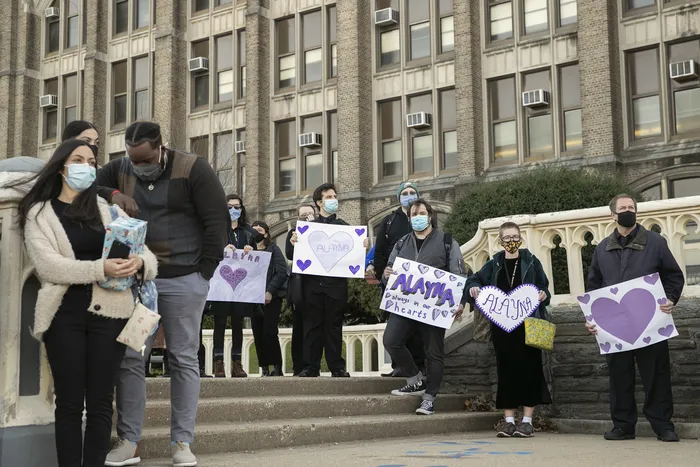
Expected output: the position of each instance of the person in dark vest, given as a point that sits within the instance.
(630, 252)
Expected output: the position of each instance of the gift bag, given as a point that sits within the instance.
(141, 325)
(131, 232)
(540, 333)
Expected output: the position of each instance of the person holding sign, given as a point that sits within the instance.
(520, 377)
(429, 246)
(630, 252)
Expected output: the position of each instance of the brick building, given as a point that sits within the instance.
(239, 81)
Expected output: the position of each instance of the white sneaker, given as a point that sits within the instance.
(124, 453)
(182, 456)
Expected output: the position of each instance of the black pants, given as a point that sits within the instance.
(84, 357)
(414, 344)
(397, 332)
(266, 333)
(297, 339)
(236, 335)
(655, 369)
(324, 309)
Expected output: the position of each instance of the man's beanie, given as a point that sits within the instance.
(405, 185)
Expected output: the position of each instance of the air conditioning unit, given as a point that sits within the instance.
(536, 98)
(310, 140)
(48, 100)
(240, 147)
(685, 70)
(51, 12)
(199, 64)
(386, 17)
(419, 120)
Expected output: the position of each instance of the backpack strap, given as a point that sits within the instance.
(448, 249)
(388, 225)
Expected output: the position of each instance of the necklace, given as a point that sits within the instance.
(515, 269)
(150, 187)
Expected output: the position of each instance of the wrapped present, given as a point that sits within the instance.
(131, 232)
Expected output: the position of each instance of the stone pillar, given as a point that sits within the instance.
(95, 93)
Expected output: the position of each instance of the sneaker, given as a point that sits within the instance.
(426, 408)
(124, 453)
(508, 431)
(237, 370)
(668, 436)
(182, 456)
(524, 430)
(618, 434)
(219, 369)
(417, 389)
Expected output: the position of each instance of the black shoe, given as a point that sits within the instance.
(410, 390)
(340, 374)
(524, 430)
(618, 434)
(265, 370)
(668, 436)
(426, 408)
(309, 373)
(277, 371)
(508, 431)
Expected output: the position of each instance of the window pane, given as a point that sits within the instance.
(535, 16)
(200, 5)
(119, 77)
(141, 74)
(141, 106)
(632, 4)
(288, 73)
(422, 103)
(504, 141)
(332, 24)
(448, 109)
(243, 82)
(143, 13)
(689, 50)
(687, 110)
(70, 90)
(381, 4)
(53, 36)
(72, 26)
(51, 124)
(225, 86)
(445, 7)
(223, 158)
(119, 109)
(570, 87)
(312, 124)
(501, 21)
(201, 91)
(502, 98)
(449, 147)
(652, 193)
(288, 174)
(223, 2)
(572, 129)
(390, 47)
(447, 34)
(391, 159)
(644, 72)
(286, 140)
(70, 115)
(334, 164)
(285, 36)
(333, 130)
(334, 60)
(647, 120)
(540, 134)
(539, 80)
(418, 10)
(200, 49)
(51, 86)
(686, 187)
(390, 115)
(420, 40)
(241, 48)
(200, 146)
(423, 154)
(312, 30)
(314, 170)
(121, 17)
(567, 12)
(313, 65)
(224, 52)
(225, 179)
(73, 7)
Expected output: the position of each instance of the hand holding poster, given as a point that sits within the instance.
(240, 277)
(329, 250)
(423, 293)
(627, 316)
(508, 311)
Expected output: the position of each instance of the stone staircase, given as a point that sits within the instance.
(265, 413)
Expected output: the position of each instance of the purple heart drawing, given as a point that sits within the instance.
(330, 249)
(423, 268)
(388, 294)
(589, 318)
(647, 340)
(508, 311)
(667, 331)
(605, 347)
(354, 269)
(662, 301)
(233, 278)
(614, 290)
(359, 232)
(618, 346)
(388, 304)
(584, 299)
(459, 284)
(302, 228)
(439, 273)
(627, 319)
(303, 265)
(651, 280)
(406, 266)
(453, 278)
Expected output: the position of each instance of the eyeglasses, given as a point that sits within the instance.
(234, 207)
(510, 239)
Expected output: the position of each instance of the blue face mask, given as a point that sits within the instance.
(80, 176)
(419, 223)
(406, 200)
(235, 214)
(331, 206)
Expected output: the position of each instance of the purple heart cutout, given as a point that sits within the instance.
(459, 284)
(423, 268)
(651, 280)
(618, 346)
(388, 304)
(662, 301)
(627, 319)
(302, 228)
(359, 231)
(233, 277)
(614, 290)
(584, 299)
(589, 318)
(453, 278)
(406, 266)
(354, 269)
(667, 331)
(439, 273)
(303, 265)
(647, 340)
(605, 347)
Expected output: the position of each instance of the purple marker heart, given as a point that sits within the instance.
(651, 280)
(354, 269)
(605, 347)
(388, 294)
(584, 299)
(589, 318)
(459, 284)
(423, 268)
(388, 304)
(662, 301)
(647, 340)
(453, 278)
(406, 266)
(233, 278)
(629, 318)
(667, 331)
(439, 273)
(614, 290)
(302, 228)
(618, 346)
(303, 265)
(359, 232)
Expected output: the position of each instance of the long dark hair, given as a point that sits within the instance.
(243, 220)
(266, 228)
(75, 128)
(48, 184)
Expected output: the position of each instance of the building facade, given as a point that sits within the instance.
(490, 87)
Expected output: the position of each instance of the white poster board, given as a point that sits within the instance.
(330, 250)
(240, 278)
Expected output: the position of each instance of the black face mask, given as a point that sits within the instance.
(627, 219)
(259, 238)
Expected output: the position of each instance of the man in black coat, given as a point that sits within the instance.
(632, 251)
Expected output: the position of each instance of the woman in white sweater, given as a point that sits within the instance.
(64, 221)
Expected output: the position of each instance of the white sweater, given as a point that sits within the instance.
(53, 258)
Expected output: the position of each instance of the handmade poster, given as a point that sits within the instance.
(240, 277)
(423, 293)
(627, 315)
(508, 311)
(330, 250)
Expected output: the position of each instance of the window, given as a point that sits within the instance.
(571, 107)
(535, 16)
(567, 12)
(201, 78)
(539, 121)
(447, 26)
(313, 57)
(287, 63)
(119, 78)
(286, 140)
(70, 99)
(313, 157)
(53, 28)
(333, 146)
(634, 4)
(332, 41)
(200, 146)
(643, 70)
(685, 99)
(200, 5)
(242, 74)
(390, 133)
(652, 193)
(685, 187)
(501, 20)
(421, 139)
(419, 28)
(142, 81)
(390, 47)
(241, 184)
(116, 155)
(121, 17)
(143, 14)
(223, 160)
(448, 127)
(224, 68)
(503, 126)
(223, 2)
(72, 23)
(50, 113)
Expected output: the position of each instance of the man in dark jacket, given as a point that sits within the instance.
(184, 204)
(632, 251)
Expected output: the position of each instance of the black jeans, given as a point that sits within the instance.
(415, 344)
(398, 331)
(297, 339)
(266, 333)
(236, 335)
(655, 369)
(324, 309)
(84, 357)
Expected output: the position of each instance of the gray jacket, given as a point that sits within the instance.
(433, 253)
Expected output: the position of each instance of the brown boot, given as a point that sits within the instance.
(237, 370)
(219, 369)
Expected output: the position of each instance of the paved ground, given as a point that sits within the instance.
(469, 449)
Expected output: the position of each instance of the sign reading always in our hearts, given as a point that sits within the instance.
(329, 250)
(240, 278)
(508, 311)
(627, 315)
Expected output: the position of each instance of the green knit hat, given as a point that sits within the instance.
(405, 185)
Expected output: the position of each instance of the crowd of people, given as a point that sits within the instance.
(192, 222)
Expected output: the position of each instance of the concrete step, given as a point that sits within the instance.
(271, 434)
(251, 409)
(685, 429)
